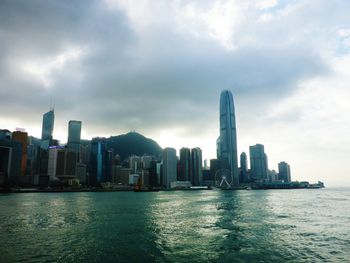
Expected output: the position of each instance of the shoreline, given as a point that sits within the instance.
(32, 190)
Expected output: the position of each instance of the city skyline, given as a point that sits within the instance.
(158, 68)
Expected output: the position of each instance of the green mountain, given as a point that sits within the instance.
(133, 143)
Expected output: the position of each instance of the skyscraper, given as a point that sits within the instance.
(244, 167)
(228, 135)
(97, 161)
(48, 122)
(22, 137)
(196, 166)
(258, 162)
(284, 172)
(184, 164)
(74, 131)
(169, 167)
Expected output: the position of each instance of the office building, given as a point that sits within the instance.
(97, 161)
(258, 162)
(74, 133)
(80, 173)
(284, 172)
(243, 168)
(135, 163)
(22, 137)
(228, 135)
(169, 167)
(184, 172)
(196, 167)
(62, 164)
(48, 124)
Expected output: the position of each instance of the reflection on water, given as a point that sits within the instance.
(198, 226)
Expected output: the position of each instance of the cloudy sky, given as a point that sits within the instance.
(158, 67)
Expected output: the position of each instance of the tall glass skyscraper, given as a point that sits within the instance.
(74, 131)
(196, 167)
(48, 122)
(228, 135)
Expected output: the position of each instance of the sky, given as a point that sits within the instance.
(158, 68)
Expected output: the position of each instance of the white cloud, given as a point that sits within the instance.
(42, 69)
(265, 4)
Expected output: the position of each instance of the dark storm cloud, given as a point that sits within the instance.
(121, 81)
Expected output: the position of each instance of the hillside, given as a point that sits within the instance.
(133, 143)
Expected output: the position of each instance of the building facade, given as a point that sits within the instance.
(243, 168)
(169, 167)
(196, 167)
(74, 134)
(22, 138)
(228, 135)
(258, 162)
(284, 172)
(48, 124)
(184, 165)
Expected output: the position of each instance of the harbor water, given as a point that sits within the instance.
(305, 225)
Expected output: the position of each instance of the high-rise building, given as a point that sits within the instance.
(244, 167)
(135, 163)
(61, 164)
(97, 161)
(152, 171)
(258, 162)
(74, 133)
(228, 135)
(184, 165)
(80, 173)
(22, 137)
(196, 166)
(109, 162)
(218, 148)
(48, 122)
(215, 165)
(284, 172)
(169, 167)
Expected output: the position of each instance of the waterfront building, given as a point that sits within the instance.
(120, 175)
(184, 172)
(152, 172)
(33, 149)
(74, 134)
(258, 162)
(146, 161)
(135, 163)
(243, 168)
(284, 172)
(159, 168)
(273, 176)
(80, 173)
(207, 180)
(196, 167)
(169, 167)
(10, 159)
(97, 161)
(109, 162)
(48, 124)
(215, 165)
(22, 137)
(61, 164)
(228, 135)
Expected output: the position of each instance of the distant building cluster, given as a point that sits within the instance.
(29, 161)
